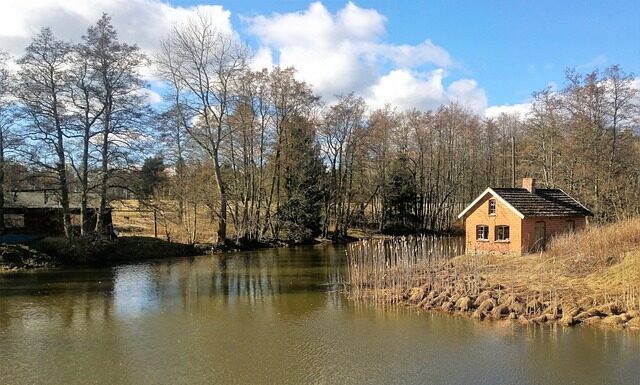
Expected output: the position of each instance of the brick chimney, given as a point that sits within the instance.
(529, 184)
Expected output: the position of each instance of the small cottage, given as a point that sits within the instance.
(38, 212)
(518, 220)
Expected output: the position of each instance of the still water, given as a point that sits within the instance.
(271, 317)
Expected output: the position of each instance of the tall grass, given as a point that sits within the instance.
(381, 269)
(597, 246)
(597, 266)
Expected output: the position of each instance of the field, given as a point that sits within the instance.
(131, 219)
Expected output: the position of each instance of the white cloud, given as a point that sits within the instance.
(467, 93)
(407, 89)
(335, 52)
(261, 59)
(416, 55)
(344, 52)
(142, 22)
(522, 109)
(328, 51)
(425, 90)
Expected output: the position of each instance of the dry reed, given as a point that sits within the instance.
(596, 267)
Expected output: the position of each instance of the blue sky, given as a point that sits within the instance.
(408, 53)
(511, 48)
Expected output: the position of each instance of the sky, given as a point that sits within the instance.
(486, 55)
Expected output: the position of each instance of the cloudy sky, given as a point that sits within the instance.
(489, 56)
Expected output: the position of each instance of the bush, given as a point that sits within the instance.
(78, 250)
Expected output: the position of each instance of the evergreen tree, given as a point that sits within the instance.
(401, 195)
(305, 186)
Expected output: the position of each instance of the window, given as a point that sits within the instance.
(14, 221)
(502, 233)
(492, 207)
(570, 226)
(482, 232)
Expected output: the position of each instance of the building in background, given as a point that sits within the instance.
(520, 220)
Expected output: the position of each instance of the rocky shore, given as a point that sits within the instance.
(587, 278)
(497, 303)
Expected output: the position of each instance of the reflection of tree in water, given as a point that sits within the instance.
(65, 298)
(291, 281)
(283, 277)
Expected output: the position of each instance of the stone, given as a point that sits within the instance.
(595, 320)
(609, 309)
(447, 306)
(633, 324)
(464, 304)
(534, 306)
(506, 300)
(589, 314)
(487, 305)
(570, 308)
(485, 295)
(499, 311)
(478, 315)
(517, 307)
(613, 321)
(541, 319)
(416, 294)
(567, 320)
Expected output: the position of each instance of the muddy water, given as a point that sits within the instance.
(271, 317)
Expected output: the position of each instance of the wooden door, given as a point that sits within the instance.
(539, 236)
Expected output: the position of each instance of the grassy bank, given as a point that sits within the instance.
(591, 277)
(101, 250)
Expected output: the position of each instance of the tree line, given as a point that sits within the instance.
(268, 159)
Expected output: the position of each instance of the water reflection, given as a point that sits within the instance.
(270, 317)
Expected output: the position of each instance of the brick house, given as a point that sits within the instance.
(519, 220)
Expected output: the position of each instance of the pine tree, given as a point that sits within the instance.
(305, 185)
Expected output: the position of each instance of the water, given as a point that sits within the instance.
(271, 317)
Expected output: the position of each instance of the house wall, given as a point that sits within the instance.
(479, 215)
(553, 226)
(48, 221)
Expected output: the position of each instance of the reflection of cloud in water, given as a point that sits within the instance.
(134, 290)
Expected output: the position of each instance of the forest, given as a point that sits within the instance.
(267, 159)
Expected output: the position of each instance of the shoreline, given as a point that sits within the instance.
(97, 251)
(591, 277)
(495, 303)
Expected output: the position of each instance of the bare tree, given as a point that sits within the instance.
(203, 65)
(8, 119)
(43, 89)
(341, 136)
(121, 106)
(88, 110)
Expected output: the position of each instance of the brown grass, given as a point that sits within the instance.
(596, 247)
(132, 220)
(600, 264)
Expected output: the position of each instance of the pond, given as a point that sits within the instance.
(271, 317)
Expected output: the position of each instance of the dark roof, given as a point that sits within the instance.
(543, 202)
